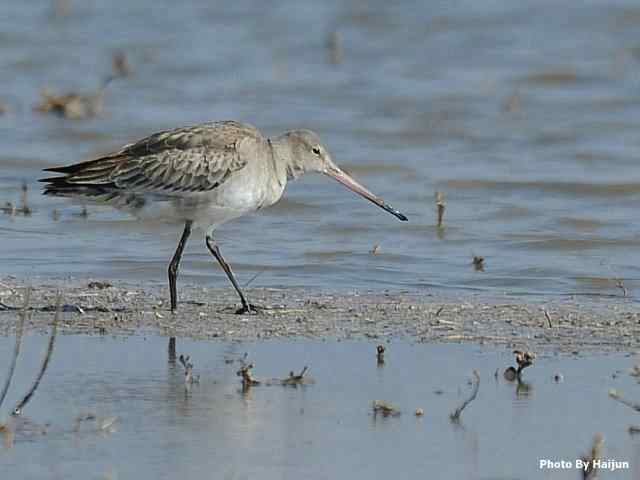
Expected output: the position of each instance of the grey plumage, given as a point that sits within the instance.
(188, 159)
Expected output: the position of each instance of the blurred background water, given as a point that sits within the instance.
(524, 114)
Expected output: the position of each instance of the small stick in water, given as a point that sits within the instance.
(455, 416)
(84, 213)
(294, 379)
(17, 411)
(618, 397)
(380, 354)
(26, 210)
(189, 378)
(548, 317)
(247, 378)
(590, 471)
(16, 349)
(120, 65)
(524, 360)
(440, 206)
(384, 408)
(620, 285)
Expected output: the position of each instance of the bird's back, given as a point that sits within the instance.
(174, 162)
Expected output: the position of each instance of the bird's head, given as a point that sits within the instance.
(309, 155)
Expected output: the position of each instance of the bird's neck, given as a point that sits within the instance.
(284, 160)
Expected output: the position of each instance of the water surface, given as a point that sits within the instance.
(524, 115)
(318, 431)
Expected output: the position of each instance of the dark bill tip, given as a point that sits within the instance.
(394, 212)
(354, 186)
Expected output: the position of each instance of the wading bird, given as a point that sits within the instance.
(204, 176)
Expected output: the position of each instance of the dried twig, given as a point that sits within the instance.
(478, 263)
(16, 349)
(384, 408)
(74, 105)
(548, 317)
(45, 361)
(590, 471)
(189, 378)
(524, 360)
(294, 379)
(26, 210)
(440, 206)
(455, 416)
(120, 65)
(380, 354)
(620, 285)
(247, 378)
(618, 396)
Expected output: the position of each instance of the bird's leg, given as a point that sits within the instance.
(215, 251)
(175, 264)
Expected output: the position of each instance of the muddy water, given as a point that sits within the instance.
(323, 430)
(524, 115)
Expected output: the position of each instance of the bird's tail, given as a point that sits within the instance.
(89, 180)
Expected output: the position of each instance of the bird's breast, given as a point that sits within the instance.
(242, 192)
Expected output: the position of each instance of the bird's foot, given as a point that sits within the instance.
(249, 308)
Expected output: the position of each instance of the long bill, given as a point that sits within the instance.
(354, 186)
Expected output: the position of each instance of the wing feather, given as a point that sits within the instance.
(189, 159)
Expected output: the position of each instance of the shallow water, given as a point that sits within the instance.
(525, 116)
(323, 430)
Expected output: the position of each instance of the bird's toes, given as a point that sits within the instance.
(249, 309)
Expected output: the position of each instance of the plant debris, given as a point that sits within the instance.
(618, 397)
(16, 348)
(524, 360)
(440, 206)
(380, 354)
(120, 65)
(384, 408)
(247, 377)
(189, 378)
(455, 415)
(590, 471)
(298, 379)
(73, 105)
(478, 263)
(17, 411)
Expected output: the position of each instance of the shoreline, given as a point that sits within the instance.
(570, 325)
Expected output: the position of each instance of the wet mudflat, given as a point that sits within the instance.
(571, 324)
(323, 430)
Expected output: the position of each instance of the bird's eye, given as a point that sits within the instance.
(316, 150)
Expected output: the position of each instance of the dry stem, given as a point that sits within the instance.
(16, 349)
(455, 416)
(45, 362)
